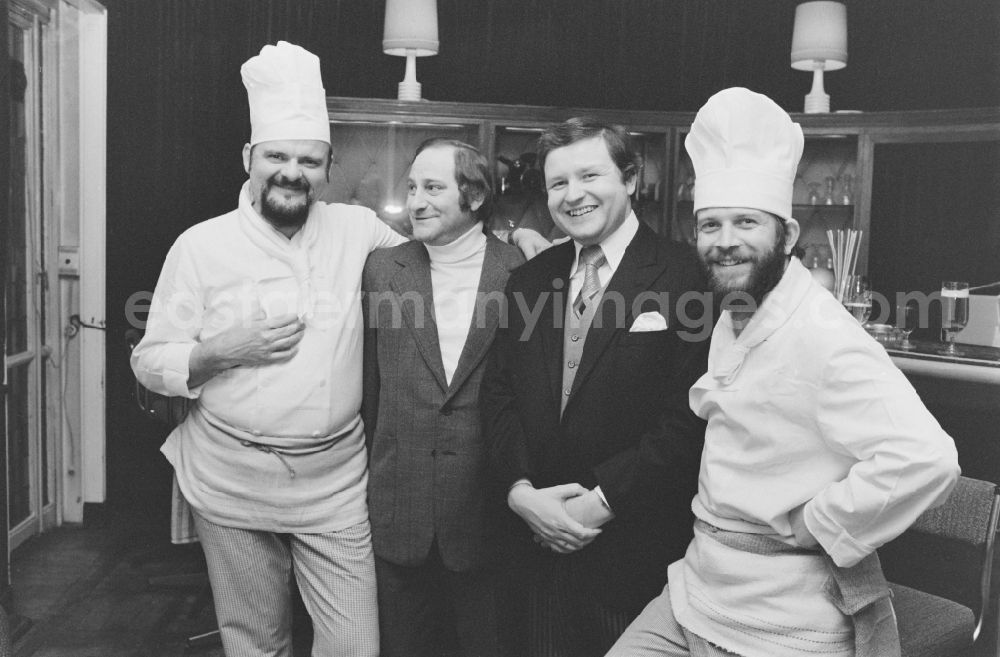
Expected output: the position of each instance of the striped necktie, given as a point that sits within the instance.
(591, 258)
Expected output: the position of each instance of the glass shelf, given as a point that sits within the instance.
(371, 160)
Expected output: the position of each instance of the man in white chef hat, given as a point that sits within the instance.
(817, 449)
(256, 316)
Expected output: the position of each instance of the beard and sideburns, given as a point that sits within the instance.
(767, 268)
(284, 215)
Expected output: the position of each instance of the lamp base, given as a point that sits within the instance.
(817, 100)
(409, 90)
(817, 103)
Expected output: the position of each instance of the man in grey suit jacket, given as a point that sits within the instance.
(431, 310)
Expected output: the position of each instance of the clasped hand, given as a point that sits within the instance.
(545, 512)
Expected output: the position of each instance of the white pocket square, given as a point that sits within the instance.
(651, 321)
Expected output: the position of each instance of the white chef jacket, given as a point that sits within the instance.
(220, 273)
(807, 418)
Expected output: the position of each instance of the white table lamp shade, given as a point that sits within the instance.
(411, 31)
(410, 25)
(819, 43)
(820, 34)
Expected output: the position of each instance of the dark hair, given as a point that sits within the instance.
(472, 173)
(616, 138)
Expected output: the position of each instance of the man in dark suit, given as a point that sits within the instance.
(585, 401)
(432, 308)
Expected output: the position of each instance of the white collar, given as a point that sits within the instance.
(728, 351)
(614, 245)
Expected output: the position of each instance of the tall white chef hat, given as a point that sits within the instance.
(745, 150)
(285, 90)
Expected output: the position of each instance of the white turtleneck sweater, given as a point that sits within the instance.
(455, 272)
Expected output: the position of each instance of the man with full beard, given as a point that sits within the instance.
(256, 315)
(817, 449)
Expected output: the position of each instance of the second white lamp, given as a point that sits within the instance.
(819, 43)
(411, 31)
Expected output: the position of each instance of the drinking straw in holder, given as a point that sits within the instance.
(844, 247)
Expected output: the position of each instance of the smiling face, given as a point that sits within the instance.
(587, 194)
(434, 199)
(286, 177)
(744, 250)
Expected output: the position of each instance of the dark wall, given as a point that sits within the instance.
(934, 218)
(177, 115)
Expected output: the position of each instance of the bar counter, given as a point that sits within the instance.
(963, 394)
(975, 364)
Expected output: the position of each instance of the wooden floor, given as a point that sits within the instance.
(110, 593)
(125, 591)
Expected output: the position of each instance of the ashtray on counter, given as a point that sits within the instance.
(885, 334)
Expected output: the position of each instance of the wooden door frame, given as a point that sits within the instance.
(5, 589)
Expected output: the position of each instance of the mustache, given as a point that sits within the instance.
(299, 184)
(717, 253)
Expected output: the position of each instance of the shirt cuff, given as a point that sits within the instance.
(803, 537)
(175, 370)
(844, 549)
(604, 500)
(519, 482)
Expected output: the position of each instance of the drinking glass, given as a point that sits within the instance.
(907, 319)
(846, 184)
(954, 313)
(858, 298)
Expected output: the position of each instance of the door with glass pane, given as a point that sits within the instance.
(31, 481)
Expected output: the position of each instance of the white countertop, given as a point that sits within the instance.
(977, 365)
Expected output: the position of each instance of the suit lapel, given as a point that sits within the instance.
(414, 276)
(551, 321)
(485, 318)
(640, 266)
